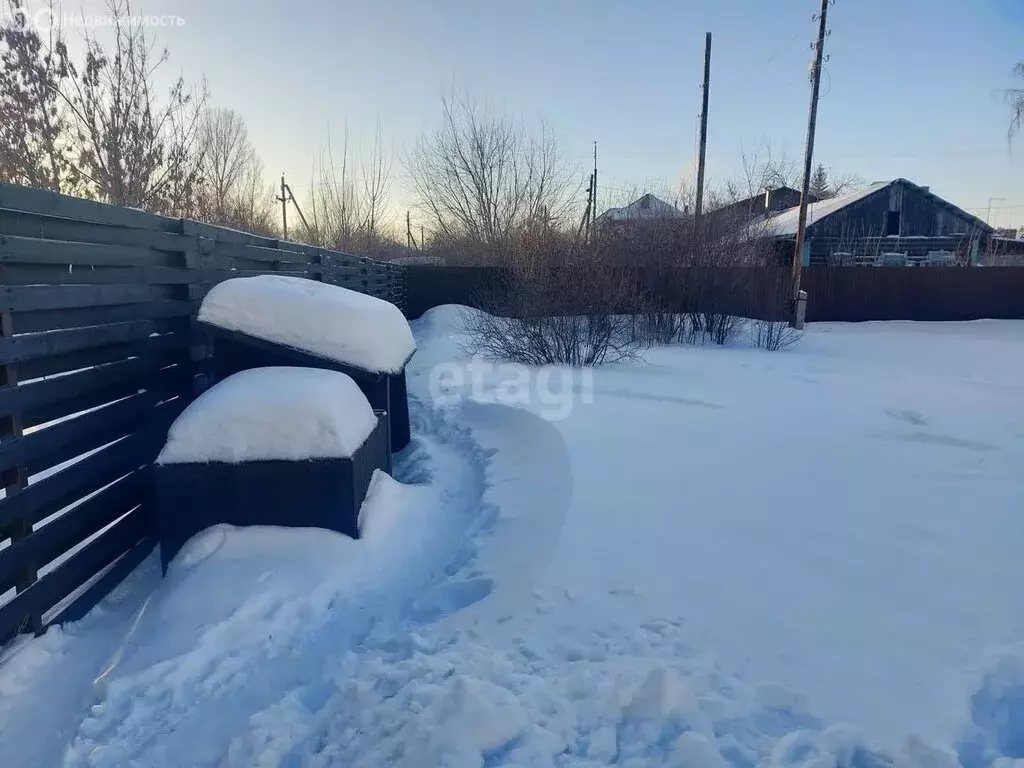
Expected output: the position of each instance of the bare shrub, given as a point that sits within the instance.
(773, 335)
(567, 309)
(695, 283)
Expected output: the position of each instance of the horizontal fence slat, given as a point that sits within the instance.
(48, 399)
(78, 569)
(73, 361)
(49, 203)
(46, 274)
(80, 317)
(48, 542)
(256, 253)
(26, 224)
(36, 394)
(60, 442)
(44, 497)
(30, 346)
(24, 250)
(44, 297)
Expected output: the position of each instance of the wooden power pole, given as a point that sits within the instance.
(698, 207)
(812, 121)
(284, 208)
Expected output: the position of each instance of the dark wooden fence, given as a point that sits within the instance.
(433, 286)
(834, 293)
(97, 358)
(914, 293)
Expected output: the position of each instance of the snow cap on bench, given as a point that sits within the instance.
(324, 320)
(272, 414)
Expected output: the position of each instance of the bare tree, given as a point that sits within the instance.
(350, 212)
(376, 188)
(135, 149)
(252, 205)
(34, 147)
(762, 168)
(1015, 100)
(227, 157)
(484, 178)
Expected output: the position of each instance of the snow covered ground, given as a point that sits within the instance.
(716, 557)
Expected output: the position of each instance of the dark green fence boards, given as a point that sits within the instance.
(97, 357)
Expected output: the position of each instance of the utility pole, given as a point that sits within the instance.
(291, 196)
(698, 207)
(585, 222)
(408, 230)
(422, 238)
(593, 193)
(284, 208)
(988, 213)
(812, 121)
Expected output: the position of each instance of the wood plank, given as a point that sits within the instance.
(53, 445)
(43, 201)
(78, 569)
(43, 297)
(50, 541)
(176, 379)
(49, 495)
(73, 361)
(222, 234)
(251, 252)
(80, 317)
(24, 250)
(37, 396)
(31, 346)
(44, 274)
(25, 224)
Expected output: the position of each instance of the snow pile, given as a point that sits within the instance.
(325, 320)
(272, 413)
(996, 735)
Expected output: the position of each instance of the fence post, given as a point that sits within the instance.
(15, 479)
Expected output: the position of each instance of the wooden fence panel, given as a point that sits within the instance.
(97, 358)
(913, 293)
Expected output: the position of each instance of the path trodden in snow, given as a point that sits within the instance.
(648, 582)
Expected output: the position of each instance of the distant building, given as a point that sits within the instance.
(1006, 248)
(645, 208)
(887, 223)
(767, 202)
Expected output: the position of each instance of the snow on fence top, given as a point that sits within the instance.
(272, 414)
(325, 320)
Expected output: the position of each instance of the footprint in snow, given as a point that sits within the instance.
(908, 416)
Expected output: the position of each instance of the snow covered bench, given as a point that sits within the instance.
(281, 320)
(269, 446)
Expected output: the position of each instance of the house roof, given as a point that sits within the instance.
(784, 223)
(646, 206)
